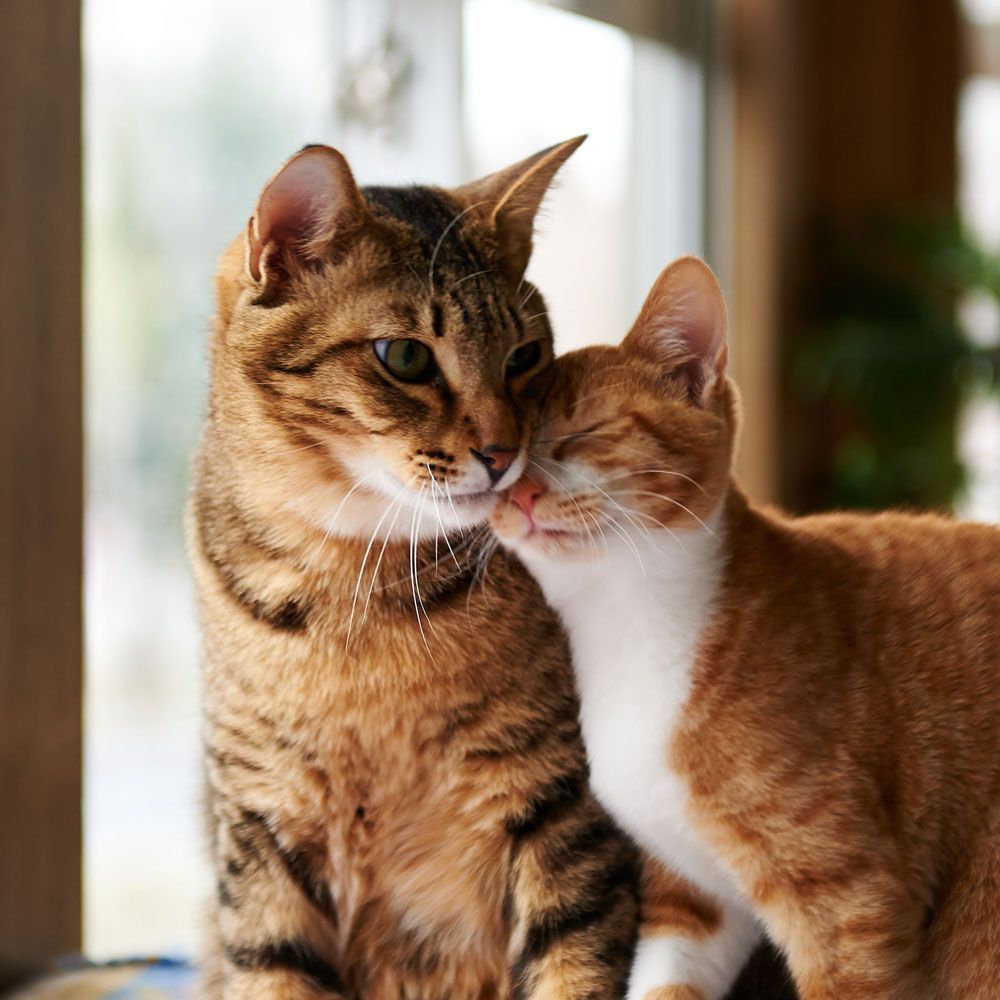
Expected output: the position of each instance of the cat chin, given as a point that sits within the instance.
(403, 514)
(561, 546)
(533, 544)
(380, 504)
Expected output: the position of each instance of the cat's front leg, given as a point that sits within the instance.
(849, 935)
(572, 896)
(692, 946)
(274, 923)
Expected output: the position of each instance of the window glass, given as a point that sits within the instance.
(534, 76)
(188, 106)
(979, 197)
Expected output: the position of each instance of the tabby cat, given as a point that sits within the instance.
(397, 786)
(800, 716)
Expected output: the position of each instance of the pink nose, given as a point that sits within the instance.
(526, 492)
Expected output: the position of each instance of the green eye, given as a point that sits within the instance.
(523, 358)
(408, 360)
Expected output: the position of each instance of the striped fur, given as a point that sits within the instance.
(397, 789)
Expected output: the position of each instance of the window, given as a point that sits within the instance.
(979, 199)
(189, 108)
(631, 200)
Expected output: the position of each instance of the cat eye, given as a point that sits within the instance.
(407, 360)
(523, 358)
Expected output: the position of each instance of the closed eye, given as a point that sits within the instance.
(575, 435)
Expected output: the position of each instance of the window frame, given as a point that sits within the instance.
(41, 497)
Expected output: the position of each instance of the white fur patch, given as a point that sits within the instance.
(634, 621)
(379, 505)
(710, 964)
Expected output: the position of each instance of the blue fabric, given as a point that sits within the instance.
(130, 979)
(170, 978)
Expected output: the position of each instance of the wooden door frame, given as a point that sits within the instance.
(41, 485)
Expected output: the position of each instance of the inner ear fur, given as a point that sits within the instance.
(309, 206)
(682, 327)
(509, 199)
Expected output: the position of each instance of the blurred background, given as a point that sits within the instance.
(837, 162)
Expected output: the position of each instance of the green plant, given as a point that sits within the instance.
(883, 371)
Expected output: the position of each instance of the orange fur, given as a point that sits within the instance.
(676, 993)
(840, 745)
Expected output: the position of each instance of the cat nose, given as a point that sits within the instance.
(496, 460)
(526, 492)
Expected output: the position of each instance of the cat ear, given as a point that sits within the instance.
(509, 200)
(311, 202)
(682, 326)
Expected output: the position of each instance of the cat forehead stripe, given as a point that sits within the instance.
(428, 214)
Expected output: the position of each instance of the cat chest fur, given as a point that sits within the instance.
(634, 631)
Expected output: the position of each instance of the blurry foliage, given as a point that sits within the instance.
(887, 365)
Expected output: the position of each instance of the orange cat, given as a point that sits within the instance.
(801, 716)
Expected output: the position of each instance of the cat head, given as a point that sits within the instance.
(634, 441)
(378, 355)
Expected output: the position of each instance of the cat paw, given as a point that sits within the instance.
(674, 993)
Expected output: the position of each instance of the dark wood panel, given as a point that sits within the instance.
(760, 50)
(877, 87)
(842, 113)
(41, 458)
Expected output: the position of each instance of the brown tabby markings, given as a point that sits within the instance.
(671, 905)
(840, 745)
(403, 813)
(676, 993)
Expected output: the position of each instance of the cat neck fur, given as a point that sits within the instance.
(635, 617)
(625, 588)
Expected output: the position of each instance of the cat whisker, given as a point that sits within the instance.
(468, 277)
(579, 509)
(437, 511)
(418, 604)
(475, 562)
(624, 535)
(483, 563)
(425, 567)
(600, 528)
(458, 520)
(673, 534)
(378, 564)
(305, 447)
(534, 316)
(421, 280)
(604, 493)
(332, 523)
(655, 472)
(364, 561)
(572, 498)
(663, 496)
(447, 229)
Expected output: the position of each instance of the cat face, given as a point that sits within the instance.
(633, 440)
(383, 343)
